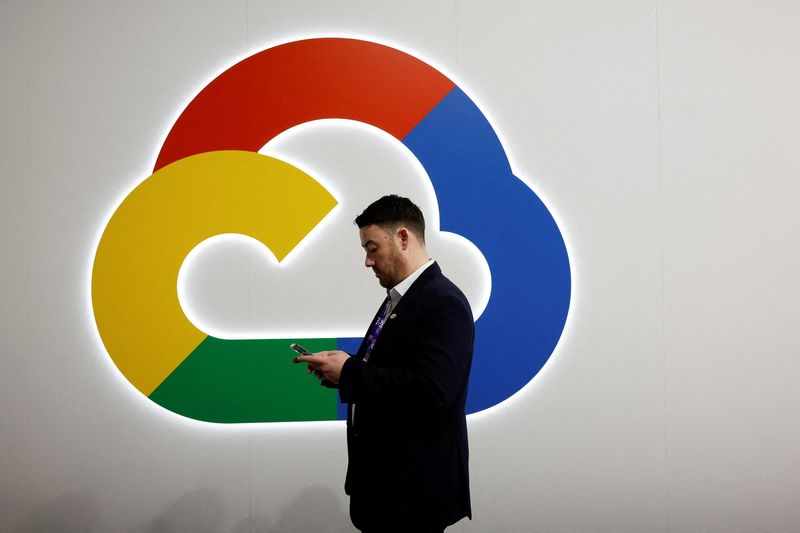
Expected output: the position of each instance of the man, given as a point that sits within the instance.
(406, 385)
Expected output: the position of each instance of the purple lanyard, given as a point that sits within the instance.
(376, 328)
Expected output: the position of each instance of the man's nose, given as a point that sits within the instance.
(369, 263)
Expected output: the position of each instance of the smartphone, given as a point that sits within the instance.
(299, 349)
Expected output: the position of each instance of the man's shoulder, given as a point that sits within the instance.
(440, 288)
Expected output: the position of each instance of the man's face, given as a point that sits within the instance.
(383, 255)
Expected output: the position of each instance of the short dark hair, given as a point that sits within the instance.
(391, 211)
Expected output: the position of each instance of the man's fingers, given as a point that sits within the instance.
(314, 357)
(316, 363)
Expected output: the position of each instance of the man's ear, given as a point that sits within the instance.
(402, 233)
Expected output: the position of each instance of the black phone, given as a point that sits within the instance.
(299, 349)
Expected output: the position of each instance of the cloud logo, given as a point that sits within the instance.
(209, 179)
(232, 286)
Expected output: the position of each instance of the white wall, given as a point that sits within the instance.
(664, 136)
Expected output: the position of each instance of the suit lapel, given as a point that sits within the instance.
(405, 306)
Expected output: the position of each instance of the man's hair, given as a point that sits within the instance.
(391, 212)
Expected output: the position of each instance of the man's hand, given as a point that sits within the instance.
(325, 365)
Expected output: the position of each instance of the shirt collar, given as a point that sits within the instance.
(397, 292)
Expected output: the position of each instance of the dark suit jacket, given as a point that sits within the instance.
(407, 447)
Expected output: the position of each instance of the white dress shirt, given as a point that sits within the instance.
(397, 292)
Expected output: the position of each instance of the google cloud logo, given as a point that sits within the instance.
(209, 179)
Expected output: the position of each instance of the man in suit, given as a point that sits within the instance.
(407, 385)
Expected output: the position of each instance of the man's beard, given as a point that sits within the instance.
(389, 279)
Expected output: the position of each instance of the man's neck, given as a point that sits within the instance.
(414, 262)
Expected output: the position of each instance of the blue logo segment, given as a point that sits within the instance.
(481, 200)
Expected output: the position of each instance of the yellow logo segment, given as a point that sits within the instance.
(135, 273)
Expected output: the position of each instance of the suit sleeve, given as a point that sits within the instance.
(438, 359)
